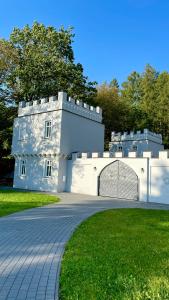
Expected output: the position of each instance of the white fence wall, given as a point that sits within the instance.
(83, 174)
(153, 174)
(159, 179)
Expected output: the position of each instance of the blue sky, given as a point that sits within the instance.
(112, 37)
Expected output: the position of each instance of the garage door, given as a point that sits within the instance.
(119, 181)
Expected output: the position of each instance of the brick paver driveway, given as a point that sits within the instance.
(32, 243)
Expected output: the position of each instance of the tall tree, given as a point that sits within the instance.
(44, 64)
(131, 95)
(149, 96)
(8, 59)
(161, 113)
(7, 111)
(114, 111)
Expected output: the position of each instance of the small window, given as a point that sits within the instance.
(134, 148)
(120, 148)
(23, 167)
(48, 168)
(48, 129)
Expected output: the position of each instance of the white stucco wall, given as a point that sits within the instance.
(141, 147)
(76, 126)
(29, 134)
(35, 178)
(159, 180)
(80, 134)
(83, 174)
(144, 141)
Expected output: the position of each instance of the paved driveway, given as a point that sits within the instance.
(32, 243)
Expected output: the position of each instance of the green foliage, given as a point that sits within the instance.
(37, 62)
(42, 63)
(119, 254)
(11, 201)
(7, 114)
(114, 110)
(141, 102)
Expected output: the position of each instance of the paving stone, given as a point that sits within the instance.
(33, 241)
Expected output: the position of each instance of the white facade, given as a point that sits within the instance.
(152, 173)
(46, 132)
(58, 145)
(139, 142)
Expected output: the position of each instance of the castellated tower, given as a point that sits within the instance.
(45, 134)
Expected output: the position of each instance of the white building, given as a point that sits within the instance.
(45, 133)
(139, 142)
(58, 145)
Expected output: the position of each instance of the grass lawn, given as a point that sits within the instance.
(13, 201)
(120, 254)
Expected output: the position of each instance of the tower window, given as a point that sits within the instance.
(48, 129)
(120, 148)
(48, 168)
(134, 148)
(23, 167)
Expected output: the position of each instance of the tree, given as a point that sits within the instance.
(37, 62)
(131, 95)
(8, 58)
(7, 111)
(114, 114)
(161, 113)
(43, 64)
(148, 102)
(147, 98)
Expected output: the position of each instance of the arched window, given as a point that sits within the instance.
(23, 167)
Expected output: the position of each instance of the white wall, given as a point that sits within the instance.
(83, 174)
(159, 181)
(35, 176)
(81, 134)
(142, 145)
(29, 134)
(75, 127)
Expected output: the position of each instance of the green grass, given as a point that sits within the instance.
(120, 254)
(13, 201)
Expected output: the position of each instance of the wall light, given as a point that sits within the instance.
(142, 170)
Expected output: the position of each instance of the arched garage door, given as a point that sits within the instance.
(118, 180)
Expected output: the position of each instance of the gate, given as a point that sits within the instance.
(118, 180)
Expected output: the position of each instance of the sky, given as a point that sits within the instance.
(112, 37)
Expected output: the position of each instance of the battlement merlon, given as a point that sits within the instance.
(60, 102)
(138, 136)
(162, 155)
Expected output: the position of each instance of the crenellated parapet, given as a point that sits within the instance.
(61, 101)
(163, 155)
(136, 136)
